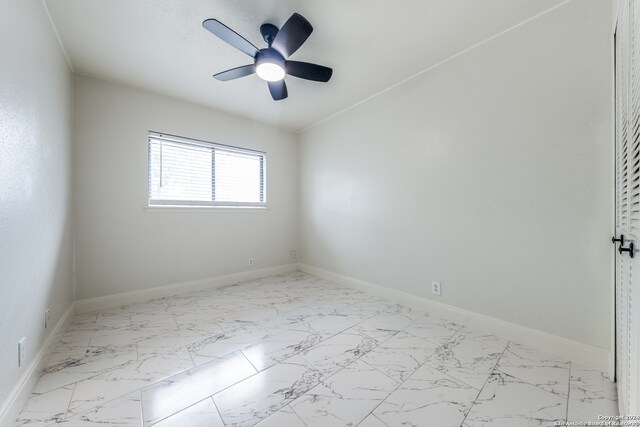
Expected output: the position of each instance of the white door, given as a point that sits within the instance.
(628, 205)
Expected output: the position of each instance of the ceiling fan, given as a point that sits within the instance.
(271, 63)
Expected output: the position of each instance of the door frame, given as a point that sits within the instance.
(613, 357)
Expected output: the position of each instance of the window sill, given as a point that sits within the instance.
(160, 209)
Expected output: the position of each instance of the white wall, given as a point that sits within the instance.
(491, 173)
(35, 183)
(616, 4)
(120, 246)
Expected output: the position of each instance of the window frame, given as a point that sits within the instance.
(161, 204)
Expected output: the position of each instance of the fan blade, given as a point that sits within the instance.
(304, 70)
(292, 35)
(217, 28)
(278, 90)
(235, 73)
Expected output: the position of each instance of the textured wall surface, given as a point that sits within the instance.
(123, 247)
(491, 173)
(35, 183)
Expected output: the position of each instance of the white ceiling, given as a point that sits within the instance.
(161, 46)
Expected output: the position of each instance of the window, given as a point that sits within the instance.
(187, 172)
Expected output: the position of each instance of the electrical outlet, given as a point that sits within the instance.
(21, 351)
(294, 255)
(250, 263)
(435, 288)
(47, 317)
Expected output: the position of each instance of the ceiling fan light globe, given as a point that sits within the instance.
(270, 71)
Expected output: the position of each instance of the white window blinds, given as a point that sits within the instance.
(187, 172)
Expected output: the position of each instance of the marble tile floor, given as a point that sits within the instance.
(297, 350)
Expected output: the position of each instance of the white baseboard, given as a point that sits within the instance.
(109, 301)
(586, 355)
(589, 356)
(20, 393)
(12, 406)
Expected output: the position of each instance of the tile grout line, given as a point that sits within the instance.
(140, 389)
(90, 377)
(205, 398)
(399, 382)
(341, 368)
(485, 383)
(530, 383)
(70, 400)
(142, 423)
(380, 372)
(324, 340)
(190, 357)
(215, 405)
(445, 373)
(282, 361)
(317, 299)
(102, 404)
(376, 417)
(297, 415)
(226, 354)
(170, 351)
(292, 410)
(384, 400)
(358, 358)
(175, 413)
(252, 365)
(185, 347)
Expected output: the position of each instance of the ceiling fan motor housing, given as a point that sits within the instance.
(270, 56)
